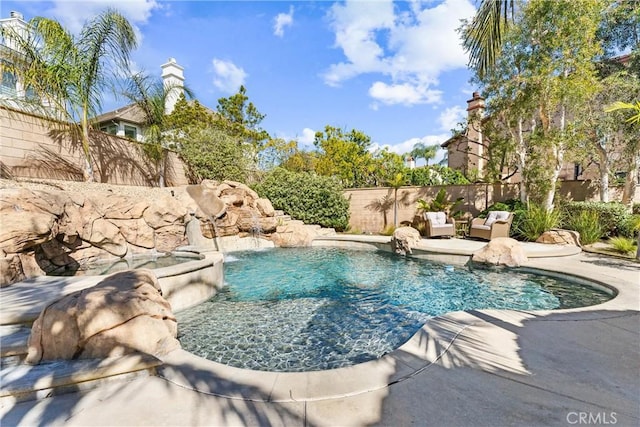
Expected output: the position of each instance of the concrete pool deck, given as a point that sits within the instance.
(485, 367)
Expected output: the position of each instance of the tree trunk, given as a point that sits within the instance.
(629, 190)
(395, 207)
(604, 169)
(88, 166)
(521, 152)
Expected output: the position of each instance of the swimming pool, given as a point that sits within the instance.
(307, 309)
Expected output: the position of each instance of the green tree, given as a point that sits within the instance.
(386, 166)
(546, 71)
(240, 118)
(396, 182)
(71, 73)
(150, 96)
(483, 36)
(344, 155)
(633, 118)
(422, 151)
(211, 153)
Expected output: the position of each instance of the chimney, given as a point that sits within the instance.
(474, 140)
(172, 77)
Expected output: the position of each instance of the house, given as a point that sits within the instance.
(128, 121)
(468, 151)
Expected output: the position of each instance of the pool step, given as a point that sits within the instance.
(21, 382)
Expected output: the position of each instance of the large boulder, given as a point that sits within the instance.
(124, 313)
(404, 239)
(557, 236)
(501, 251)
(294, 234)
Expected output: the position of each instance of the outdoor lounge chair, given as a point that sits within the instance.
(438, 224)
(496, 224)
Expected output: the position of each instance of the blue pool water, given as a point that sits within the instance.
(322, 308)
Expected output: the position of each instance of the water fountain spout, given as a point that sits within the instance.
(211, 205)
(208, 201)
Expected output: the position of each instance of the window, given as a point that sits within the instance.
(130, 132)
(112, 129)
(8, 83)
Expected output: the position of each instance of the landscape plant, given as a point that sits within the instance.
(613, 216)
(536, 220)
(587, 224)
(441, 203)
(623, 245)
(308, 197)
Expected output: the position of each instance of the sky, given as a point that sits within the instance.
(394, 70)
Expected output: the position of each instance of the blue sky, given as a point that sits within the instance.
(394, 70)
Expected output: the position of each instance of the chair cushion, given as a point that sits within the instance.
(436, 218)
(495, 216)
(481, 227)
(443, 226)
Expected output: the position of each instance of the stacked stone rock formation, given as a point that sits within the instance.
(47, 230)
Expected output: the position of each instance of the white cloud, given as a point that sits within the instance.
(307, 137)
(451, 116)
(405, 93)
(228, 76)
(411, 47)
(74, 14)
(282, 20)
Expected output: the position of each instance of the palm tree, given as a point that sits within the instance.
(396, 182)
(427, 152)
(70, 73)
(150, 96)
(483, 37)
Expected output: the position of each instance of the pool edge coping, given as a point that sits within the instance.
(409, 359)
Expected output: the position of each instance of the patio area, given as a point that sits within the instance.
(485, 367)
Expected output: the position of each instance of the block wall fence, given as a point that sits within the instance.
(29, 148)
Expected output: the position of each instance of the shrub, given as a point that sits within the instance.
(436, 175)
(613, 216)
(587, 223)
(623, 245)
(635, 209)
(388, 231)
(306, 196)
(536, 220)
(631, 226)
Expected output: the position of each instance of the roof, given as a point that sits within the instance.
(130, 113)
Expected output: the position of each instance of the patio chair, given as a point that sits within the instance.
(438, 224)
(496, 224)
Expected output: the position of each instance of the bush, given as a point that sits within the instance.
(635, 209)
(614, 217)
(306, 196)
(587, 223)
(436, 175)
(212, 154)
(623, 245)
(536, 220)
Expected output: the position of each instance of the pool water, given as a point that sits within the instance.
(311, 309)
(114, 265)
